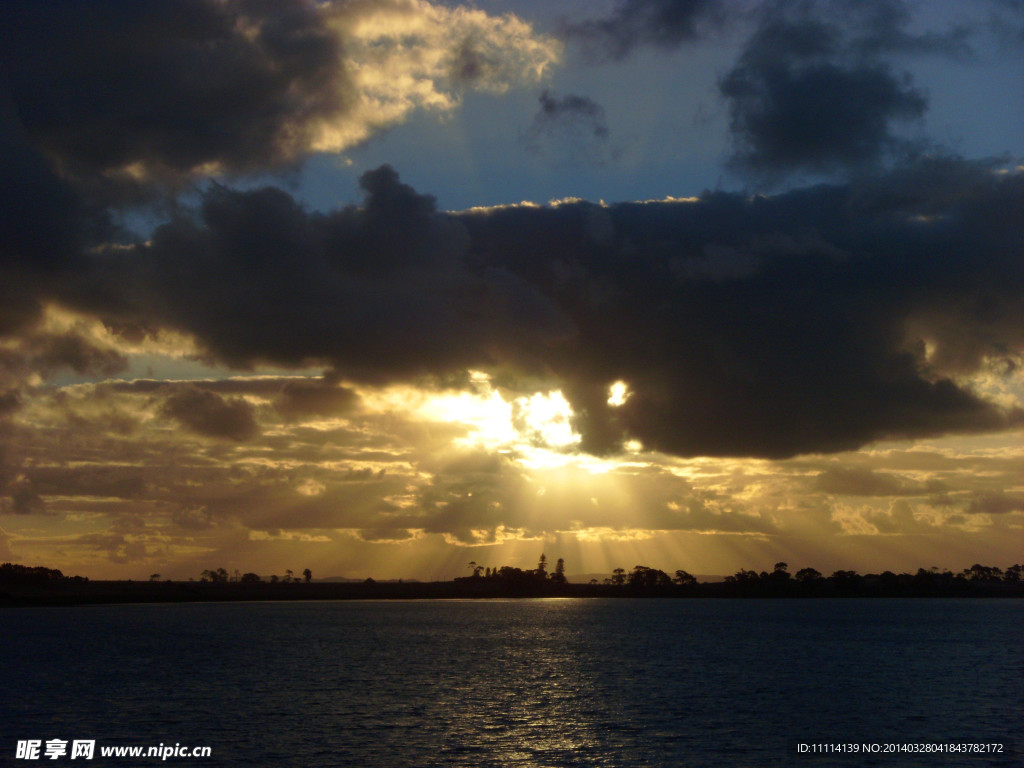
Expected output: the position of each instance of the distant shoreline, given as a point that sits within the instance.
(69, 593)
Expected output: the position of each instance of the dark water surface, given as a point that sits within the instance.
(681, 683)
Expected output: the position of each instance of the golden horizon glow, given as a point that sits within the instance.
(409, 482)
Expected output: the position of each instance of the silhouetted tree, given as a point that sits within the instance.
(288, 576)
(984, 573)
(542, 566)
(644, 577)
(846, 581)
(27, 574)
(808, 575)
(249, 578)
(559, 575)
(219, 576)
(154, 577)
(684, 579)
(619, 577)
(307, 575)
(743, 576)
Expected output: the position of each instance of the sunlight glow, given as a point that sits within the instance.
(536, 429)
(606, 533)
(310, 487)
(618, 394)
(545, 419)
(487, 416)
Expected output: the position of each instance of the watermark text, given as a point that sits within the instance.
(86, 749)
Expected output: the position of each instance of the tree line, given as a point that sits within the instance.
(221, 576)
(809, 582)
(642, 580)
(508, 574)
(805, 582)
(11, 573)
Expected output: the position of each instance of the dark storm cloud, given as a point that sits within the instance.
(994, 503)
(572, 110)
(572, 128)
(807, 95)
(41, 212)
(102, 86)
(813, 321)
(44, 224)
(262, 386)
(293, 398)
(815, 88)
(46, 354)
(112, 104)
(664, 24)
(300, 399)
(99, 99)
(816, 118)
(872, 26)
(69, 350)
(819, 345)
(207, 413)
(10, 401)
(387, 288)
(24, 500)
(108, 482)
(881, 26)
(859, 481)
(836, 317)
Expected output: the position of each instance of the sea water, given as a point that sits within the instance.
(588, 682)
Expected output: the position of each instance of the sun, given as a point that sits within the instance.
(535, 430)
(544, 419)
(618, 394)
(485, 414)
(536, 426)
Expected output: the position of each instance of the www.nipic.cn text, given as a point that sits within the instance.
(81, 749)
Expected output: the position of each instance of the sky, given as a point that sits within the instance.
(382, 287)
